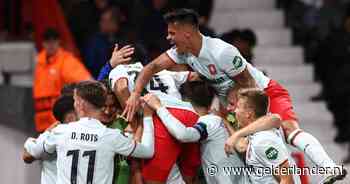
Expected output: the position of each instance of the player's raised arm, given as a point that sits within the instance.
(264, 123)
(174, 126)
(160, 63)
(119, 56)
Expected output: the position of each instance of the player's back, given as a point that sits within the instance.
(219, 50)
(212, 151)
(212, 147)
(85, 152)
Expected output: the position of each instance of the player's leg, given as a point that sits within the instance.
(281, 104)
(189, 162)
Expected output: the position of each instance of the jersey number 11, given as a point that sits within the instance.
(91, 165)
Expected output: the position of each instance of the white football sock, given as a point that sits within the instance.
(312, 148)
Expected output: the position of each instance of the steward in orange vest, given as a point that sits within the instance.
(55, 67)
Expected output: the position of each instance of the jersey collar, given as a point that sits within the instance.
(202, 51)
(90, 121)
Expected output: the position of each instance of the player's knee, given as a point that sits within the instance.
(289, 126)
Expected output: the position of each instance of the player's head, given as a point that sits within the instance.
(252, 104)
(198, 93)
(68, 89)
(89, 97)
(182, 24)
(63, 109)
(51, 42)
(112, 106)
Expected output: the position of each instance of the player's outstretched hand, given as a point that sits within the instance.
(152, 101)
(132, 105)
(121, 56)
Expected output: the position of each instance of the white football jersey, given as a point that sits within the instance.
(48, 162)
(266, 149)
(49, 170)
(165, 81)
(218, 62)
(85, 151)
(212, 151)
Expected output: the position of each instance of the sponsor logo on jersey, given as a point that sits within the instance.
(237, 62)
(271, 153)
(212, 69)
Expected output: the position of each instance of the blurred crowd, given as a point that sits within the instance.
(322, 27)
(97, 25)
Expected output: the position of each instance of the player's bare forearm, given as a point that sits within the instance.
(244, 80)
(144, 77)
(121, 90)
(138, 129)
(160, 63)
(264, 123)
(282, 176)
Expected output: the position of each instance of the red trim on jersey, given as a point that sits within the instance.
(133, 149)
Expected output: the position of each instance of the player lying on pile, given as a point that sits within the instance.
(122, 79)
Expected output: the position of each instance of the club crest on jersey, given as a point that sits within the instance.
(212, 69)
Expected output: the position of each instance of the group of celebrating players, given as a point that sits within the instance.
(176, 120)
